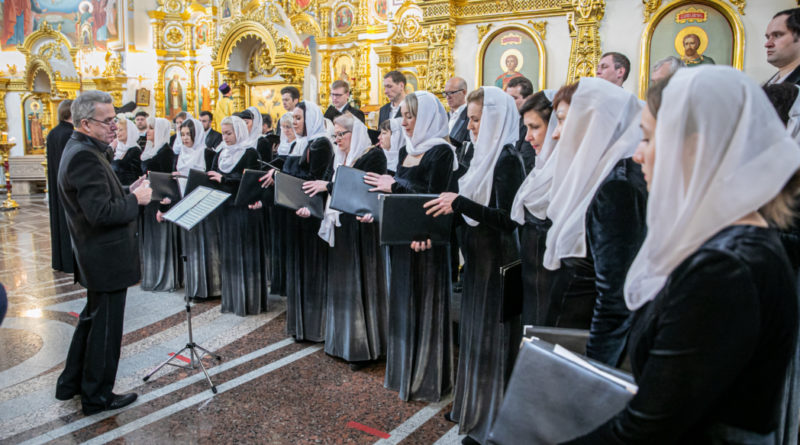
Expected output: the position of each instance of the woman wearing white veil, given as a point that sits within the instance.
(127, 163)
(307, 266)
(487, 339)
(201, 274)
(355, 328)
(159, 246)
(716, 309)
(244, 265)
(419, 358)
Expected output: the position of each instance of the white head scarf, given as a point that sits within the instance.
(534, 193)
(602, 127)
(397, 139)
(229, 155)
(315, 128)
(722, 153)
(255, 131)
(131, 140)
(501, 120)
(431, 127)
(359, 143)
(194, 156)
(177, 145)
(160, 137)
(793, 125)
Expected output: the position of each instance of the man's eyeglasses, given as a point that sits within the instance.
(450, 93)
(340, 134)
(108, 122)
(337, 94)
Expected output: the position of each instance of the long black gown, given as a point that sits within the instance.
(356, 293)
(486, 342)
(536, 279)
(202, 275)
(242, 249)
(264, 149)
(710, 352)
(307, 253)
(60, 241)
(278, 217)
(129, 168)
(159, 242)
(419, 349)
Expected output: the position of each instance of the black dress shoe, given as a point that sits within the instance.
(117, 401)
(449, 417)
(469, 441)
(66, 395)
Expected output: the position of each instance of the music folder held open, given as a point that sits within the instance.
(195, 207)
(289, 193)
(250, 189)
(351, 194)
(197, 178)
(403, 220)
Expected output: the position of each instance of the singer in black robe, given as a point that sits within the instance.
(278, 218)
(159, 242)
(129, 168)
(60, 241)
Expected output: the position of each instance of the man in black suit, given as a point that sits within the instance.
(61, 246)
(140, 119)
(340, 102)
(394, 87)
(213, 137)
(101, 215)
(455, 92)
(783, 46)
(290, 97)
(520, 88)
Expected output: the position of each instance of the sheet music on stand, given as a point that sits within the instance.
(195, 207)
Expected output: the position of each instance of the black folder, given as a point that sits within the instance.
(351, 194)
(197, 178)
(250, 189)
(403, 220)
(289, 193)
(164, 185)
(552, 399)
(512, 290)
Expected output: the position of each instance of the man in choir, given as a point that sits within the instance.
(394, 87)
(101, 216)
(783, 46)
(141, 124)
(521, 88)
(614, 67)
(340, 102)
(266, 124)
(455, 92)
(59, 233)
(665, 68)
(213, 137)
(225, 103)
(290, 97)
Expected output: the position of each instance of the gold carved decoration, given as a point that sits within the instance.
(51, 50)
(691, 15)
(540, 28)
(585, 50)
(649, 8)
(305, 24)
(740, 4)
(261, 62)
(174, 36)
(483, 30)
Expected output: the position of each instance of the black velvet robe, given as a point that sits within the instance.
(419, 357)
(536, 279)
(129, 168)
(486, 343)
(242, 248)
(60, 241)
(357, 297)
(162, 268)
(710, 352)
(307, 252)
(278, 218)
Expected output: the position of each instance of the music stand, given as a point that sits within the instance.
(187, 213)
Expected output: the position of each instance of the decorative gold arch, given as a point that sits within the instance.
(231, 38)
(303, 23)
(537, 40)
(737, 29)
(34, 63)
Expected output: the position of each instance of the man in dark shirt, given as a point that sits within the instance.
(394, 87)
(340, 102)
(520, 88)
(141, 124)
(783, 46)
(61, 246)
(213, 137)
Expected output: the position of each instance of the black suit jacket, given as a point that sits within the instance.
(460, 133)
(213, 139)
(141, 142)
(101, 216)
(794, 77)
(332, 113)
(383, 114)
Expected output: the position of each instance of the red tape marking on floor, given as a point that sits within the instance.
(180, 357)
(75, 314)
(368, 430)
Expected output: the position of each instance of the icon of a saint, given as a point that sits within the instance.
(510, 65)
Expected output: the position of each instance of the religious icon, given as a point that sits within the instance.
(33, 111)
(201, 35)
(343, 19)
(690, 43)
(267, 98)
(343, 69)
(226, 9)
(412, 84)
(82, 22)
(381, 10)
(142, 97)
(175, 94)
(508, 53)
(204, 77)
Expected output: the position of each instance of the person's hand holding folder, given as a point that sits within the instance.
(311, 188)
(379, 183)
(443, 205)
(215, 176)
(267, 180)
(366, 218)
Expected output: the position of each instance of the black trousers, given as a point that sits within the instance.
(93, 357)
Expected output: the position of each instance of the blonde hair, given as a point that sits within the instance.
(781, 210)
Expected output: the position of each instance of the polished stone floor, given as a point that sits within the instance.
(270, 389)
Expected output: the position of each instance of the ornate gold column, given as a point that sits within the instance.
(441, 39)
(585, 51)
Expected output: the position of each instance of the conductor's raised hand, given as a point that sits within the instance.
(256, 205)
(215, 176)
(137, 183)
(268, 179)
(311, 188)
(303, 212)
(366, 219)
(143, 193)
(379, 183)
(421, 246)
(166, 201)
(443, 205)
